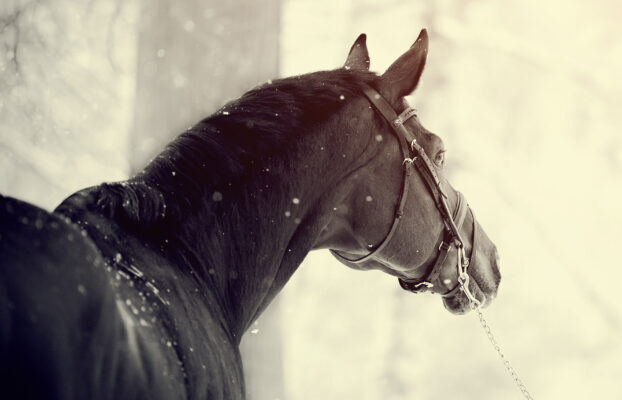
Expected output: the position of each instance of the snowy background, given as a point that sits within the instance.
(526, 94)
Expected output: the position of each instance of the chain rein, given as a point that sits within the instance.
(474, 304)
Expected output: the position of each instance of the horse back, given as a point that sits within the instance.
(63, 332)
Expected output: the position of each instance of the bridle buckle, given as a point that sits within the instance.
(425, 284)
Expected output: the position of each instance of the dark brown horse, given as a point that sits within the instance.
(142, 289)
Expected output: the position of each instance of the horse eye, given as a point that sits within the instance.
(439, 160)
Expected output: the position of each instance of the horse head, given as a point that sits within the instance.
(401, 215)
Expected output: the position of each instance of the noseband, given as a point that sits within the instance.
(415, 155)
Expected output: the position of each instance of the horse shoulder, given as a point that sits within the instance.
(63, 331)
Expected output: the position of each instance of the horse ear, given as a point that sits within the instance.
(403, 75)
(358, 58)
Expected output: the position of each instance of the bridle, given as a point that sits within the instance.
(415, 156)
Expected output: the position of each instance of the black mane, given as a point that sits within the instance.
(205, 161)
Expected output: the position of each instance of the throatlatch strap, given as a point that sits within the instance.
(408, 145)
(421, 160)
(399, 210)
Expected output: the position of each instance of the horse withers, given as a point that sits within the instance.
(144, 288)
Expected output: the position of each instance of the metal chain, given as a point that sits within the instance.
(463, 279)
(506, 362)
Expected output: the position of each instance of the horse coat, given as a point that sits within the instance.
(71, 332)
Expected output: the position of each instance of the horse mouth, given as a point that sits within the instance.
(460, 304)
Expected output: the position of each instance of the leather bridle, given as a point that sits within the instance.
(415, 155)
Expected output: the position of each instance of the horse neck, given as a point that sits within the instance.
(246, 243)
(238, 243)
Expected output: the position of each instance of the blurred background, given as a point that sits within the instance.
(526, 94)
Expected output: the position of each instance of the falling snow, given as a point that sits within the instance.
(189, 26)
(486, 34)
(82, 289)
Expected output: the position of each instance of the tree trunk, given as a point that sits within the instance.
(193, 56)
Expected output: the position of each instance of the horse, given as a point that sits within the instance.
(143, 288)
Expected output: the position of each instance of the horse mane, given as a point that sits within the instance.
(203, 162)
